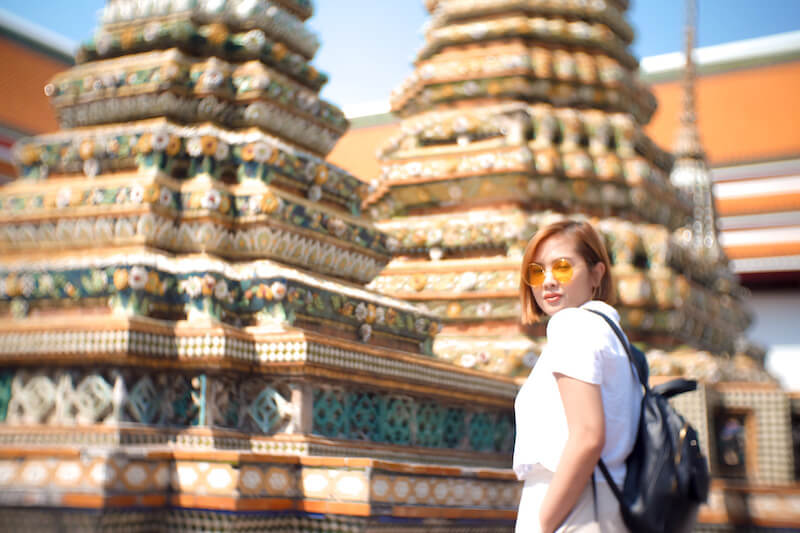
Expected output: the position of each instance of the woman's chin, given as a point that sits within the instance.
(551, 309)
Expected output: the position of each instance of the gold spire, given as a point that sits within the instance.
(688, 144)
(691, 173)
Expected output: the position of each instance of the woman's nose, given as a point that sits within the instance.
(549, 280)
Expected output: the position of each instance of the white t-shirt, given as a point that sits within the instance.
(583, 346)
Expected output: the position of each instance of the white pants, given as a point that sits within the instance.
(581, 519)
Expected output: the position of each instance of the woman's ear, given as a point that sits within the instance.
(598, 271)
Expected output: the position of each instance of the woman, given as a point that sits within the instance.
(581, 401)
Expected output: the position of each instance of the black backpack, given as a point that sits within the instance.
(667, 476)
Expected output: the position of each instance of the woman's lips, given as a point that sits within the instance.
(552, 298)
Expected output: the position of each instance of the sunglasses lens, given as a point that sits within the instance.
(562, 271)
(535, 275)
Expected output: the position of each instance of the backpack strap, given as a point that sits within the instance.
(638, 374)
(624, 340)
(611, 483)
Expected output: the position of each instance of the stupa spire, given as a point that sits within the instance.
(688, 143)
(691, 171)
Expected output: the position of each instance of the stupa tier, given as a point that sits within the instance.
(237, 63)
(519, 112)
(569, 53)
(186, 340)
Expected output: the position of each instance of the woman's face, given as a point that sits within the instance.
(553, 295)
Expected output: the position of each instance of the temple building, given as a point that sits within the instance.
(747, 124)
(219, 310)
(186, 341)
(519, 112)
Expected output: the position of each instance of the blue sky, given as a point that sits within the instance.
(368, 45)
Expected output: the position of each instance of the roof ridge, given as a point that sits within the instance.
(36, 35)
(757, 47)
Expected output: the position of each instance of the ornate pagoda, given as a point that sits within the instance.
(186, 341)
(519, 112)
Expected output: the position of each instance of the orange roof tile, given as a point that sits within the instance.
(771, 249)
(745, 115)
(25, 73)
(754, 204)
(355, 151)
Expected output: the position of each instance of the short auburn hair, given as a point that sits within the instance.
(589, 246)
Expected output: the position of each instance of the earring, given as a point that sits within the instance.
(594, 292)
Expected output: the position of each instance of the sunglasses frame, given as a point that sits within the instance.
(526, 276)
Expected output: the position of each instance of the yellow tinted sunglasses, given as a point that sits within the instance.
(561, 270)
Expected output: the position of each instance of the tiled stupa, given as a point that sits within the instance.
(186, 342)
(519, 112)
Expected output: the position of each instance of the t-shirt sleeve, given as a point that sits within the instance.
(575, 346)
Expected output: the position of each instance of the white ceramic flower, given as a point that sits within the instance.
(338, 227)
(137, 279)
(254, 204)
(414, 168)
(194, 146)
(191, 286)
(222, 151)
(160, 141)
(46, 284)
(100, 279)
(315, 193)
(27, 284)
(260, 82)
(361, 312)
(151, 31)
(380, 315)
(455, 192)
(165, 197)
(63, 197)
(487, 161)
(278, 290)
(98, 196)
(137, 194)
(461, 124)
(483, 309)
(221, 290)
(126, 10)
(103, 43)
(261, 152)
(467, 281)
(213, 6)
(310, 170)
(211, 200)
(468, 360)
(253, 41)
(365, 332)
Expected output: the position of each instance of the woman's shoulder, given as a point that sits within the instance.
(580, 324)
(573, 317)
